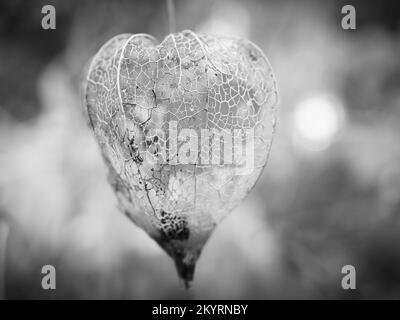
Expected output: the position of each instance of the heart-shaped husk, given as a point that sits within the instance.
(150, 106)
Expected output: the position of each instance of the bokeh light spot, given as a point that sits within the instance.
(317, 121)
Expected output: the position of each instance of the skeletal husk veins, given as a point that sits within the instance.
(176, 183)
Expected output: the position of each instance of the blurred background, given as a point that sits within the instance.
(330, 194)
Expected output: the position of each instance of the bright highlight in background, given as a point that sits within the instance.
(317, 120)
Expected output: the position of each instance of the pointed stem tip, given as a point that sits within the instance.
(185, 271)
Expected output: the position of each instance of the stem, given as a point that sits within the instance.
(4, 232)
(171, 16)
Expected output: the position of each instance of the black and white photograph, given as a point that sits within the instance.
(211, 150)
